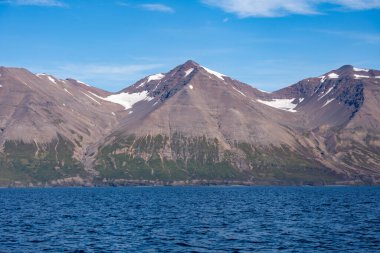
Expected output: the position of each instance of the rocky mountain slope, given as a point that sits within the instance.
(190, 125)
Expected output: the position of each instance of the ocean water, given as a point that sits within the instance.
(190, 219)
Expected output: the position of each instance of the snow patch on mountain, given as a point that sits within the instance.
(359, 69)
(281, 103)
(83, 83)
(327, 92)
(51, 79)
(26, 84)
(212, 72)
(141, 84)
(360, 76)
(155, 77)
(330, 76)
(264, 91)
(68, 92)
(328, 102)
(188, 72)
(127, 99)
(239, 91)
(93, 99)
(333, 75)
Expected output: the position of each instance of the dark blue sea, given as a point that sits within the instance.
(190, 219)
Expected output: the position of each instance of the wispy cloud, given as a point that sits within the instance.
(112, 77)
(278, 8)
(121, 3)
(157, 7)
(110, 72)
(356, 4)
(371, 38)
(47, 3)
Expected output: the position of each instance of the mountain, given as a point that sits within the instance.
(342, 120)
(190, 125)
(46, 125)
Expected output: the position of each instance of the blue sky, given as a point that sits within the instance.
(113, 43)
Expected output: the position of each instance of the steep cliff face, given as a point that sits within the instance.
(191, 123)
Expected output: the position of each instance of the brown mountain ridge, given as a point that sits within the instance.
(190, 125)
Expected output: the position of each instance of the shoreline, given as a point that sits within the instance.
(180, 183)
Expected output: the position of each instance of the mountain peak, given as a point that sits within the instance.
(349, 69)
(346, 67)
(191, 63)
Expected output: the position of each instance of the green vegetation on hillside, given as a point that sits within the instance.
(145, 158)
(160, 158)
(190, 158)
(32, 163)
(282, 165)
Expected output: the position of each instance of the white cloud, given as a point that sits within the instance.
(157, 7)
(49, 3)
(278, 8)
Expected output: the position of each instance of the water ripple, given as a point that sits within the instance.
(191, 219)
